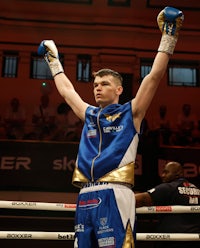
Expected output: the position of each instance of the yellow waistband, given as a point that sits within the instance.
(123, 175)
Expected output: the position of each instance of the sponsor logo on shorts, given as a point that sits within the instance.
(104, 228)
(79, 228)
(103, 221)
(107, 242)
(88, 204)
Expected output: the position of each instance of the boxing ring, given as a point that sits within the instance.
(64, 207)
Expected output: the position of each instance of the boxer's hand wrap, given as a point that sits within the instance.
(47, 48)
(170, 21)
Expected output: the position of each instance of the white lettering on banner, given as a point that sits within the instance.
(15, 163)
(191, 170)
(64, 164)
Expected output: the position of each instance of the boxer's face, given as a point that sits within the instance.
(106, 90)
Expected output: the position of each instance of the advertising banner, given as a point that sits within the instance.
(48, 166)
(42, 166)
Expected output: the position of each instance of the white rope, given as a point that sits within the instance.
(38, 206)
(70, 236)
(72, 207)
(168, 209)
(168, 236)
(37, 235)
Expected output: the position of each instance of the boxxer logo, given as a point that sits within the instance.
(15, 163)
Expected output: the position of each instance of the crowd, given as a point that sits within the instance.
(184, 130)
(59, 123)
(47, 121)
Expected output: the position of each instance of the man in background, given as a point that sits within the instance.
(174, 190)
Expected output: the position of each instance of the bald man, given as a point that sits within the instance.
(174, 190)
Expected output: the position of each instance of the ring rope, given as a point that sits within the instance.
(70, 236)
(168, 209)
(72, 207)
(38, 206)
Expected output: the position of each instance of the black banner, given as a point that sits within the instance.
(43, 166)
(48, 166)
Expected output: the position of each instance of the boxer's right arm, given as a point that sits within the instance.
(48, 50)
(170, 21)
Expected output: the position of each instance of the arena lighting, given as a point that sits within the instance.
(44, 84)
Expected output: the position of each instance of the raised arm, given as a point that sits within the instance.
(169, 22)
(66, 89)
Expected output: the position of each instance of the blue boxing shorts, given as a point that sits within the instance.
(105, 217)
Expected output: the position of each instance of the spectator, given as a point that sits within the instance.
(43, 119)
(74, 127)
(15, 118)
(187, 125)
(61, 122)
(68, 125)
(2, 129)
(174, 190)
(162, 126)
